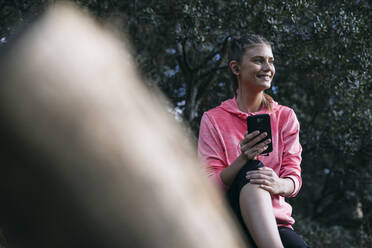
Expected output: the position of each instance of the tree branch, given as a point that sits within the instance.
(212, 71)
(184, 56)
(211, 56)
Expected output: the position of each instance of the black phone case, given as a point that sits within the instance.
(261, 123)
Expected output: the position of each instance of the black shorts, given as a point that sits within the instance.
(289, 238)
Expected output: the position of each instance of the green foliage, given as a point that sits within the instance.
(322, 236)
(323, 64)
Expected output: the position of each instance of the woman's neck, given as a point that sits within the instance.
(249, 102)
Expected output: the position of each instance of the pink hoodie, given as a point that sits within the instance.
(221, 130)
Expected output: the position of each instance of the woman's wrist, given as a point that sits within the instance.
(287, 186)
(243, 158)
(228, 174)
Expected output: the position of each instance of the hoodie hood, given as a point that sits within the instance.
(231, 106)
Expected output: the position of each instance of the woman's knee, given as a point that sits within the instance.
(253, 190)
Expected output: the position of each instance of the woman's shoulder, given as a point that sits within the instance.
(284, 114)
(282, 109)
(227, 106)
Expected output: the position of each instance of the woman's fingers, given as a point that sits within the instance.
(266, 178)
(257, 138)
(248, 137)
(261, 173)
(263, 170)
(254, 146)
(253, 152)
(251, 145)
(258, 176)
(253, 138)
(260, 182)
(267, 188)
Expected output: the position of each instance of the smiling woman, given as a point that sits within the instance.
(256, 185)
(254, 72)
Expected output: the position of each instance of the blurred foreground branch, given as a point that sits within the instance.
(90, 158)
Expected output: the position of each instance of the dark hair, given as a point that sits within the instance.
(237, 48)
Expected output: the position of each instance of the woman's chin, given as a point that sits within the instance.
(259, 86)
(265, 85)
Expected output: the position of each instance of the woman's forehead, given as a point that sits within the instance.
(259, 50)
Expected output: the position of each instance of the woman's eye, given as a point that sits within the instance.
(261, 61)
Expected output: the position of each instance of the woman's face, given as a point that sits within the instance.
(257, 70)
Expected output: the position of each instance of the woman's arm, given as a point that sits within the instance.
(288, 182)
(268, 180)
(228, 174)
(250, 150)
(290, 168)
(211, 151)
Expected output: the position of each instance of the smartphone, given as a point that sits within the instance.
(261, 123)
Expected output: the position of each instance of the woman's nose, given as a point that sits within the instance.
(266, 66)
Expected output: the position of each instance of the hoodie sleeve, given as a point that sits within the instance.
(210, 150)
(292, 152)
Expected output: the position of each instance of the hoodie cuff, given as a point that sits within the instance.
(296, 184)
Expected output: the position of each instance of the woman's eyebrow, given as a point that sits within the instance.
(261, 57)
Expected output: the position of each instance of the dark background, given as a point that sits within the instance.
(322, 55)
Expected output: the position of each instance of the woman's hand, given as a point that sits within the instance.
(269, 181)
(249, 146)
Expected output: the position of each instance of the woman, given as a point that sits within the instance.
(256, 184)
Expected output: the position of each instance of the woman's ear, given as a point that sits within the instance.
(234, 66)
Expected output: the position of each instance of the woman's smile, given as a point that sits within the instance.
(266, 77)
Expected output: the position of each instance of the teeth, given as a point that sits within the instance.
(266, 77)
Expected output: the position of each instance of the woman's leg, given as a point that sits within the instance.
(253, 209)
(257, 212)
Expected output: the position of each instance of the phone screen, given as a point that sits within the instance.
(261, 123)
